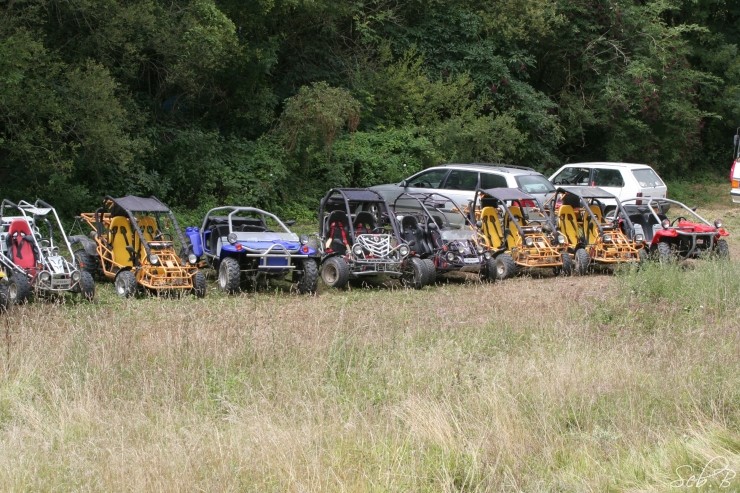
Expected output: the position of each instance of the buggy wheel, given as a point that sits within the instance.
(488, 270)
(86, 285)
(19, 289)
(505, 266)
(125, 283)
(309, 280)
(335, 272)
(86, 262)
(567, 268)
(414, 273)
(722, 249)
(199, 284)
(229, 275)
(664, 253)
(431, 271)
(581, 262)
(4, 297)
(643, 255)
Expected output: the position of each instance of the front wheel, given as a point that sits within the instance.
(664, 252)
(199, 284)
(567, 268)
(87, 285)
(229, 275)
(505, 266)
(309, 280)
(431, 271)
(335, 272)
(722, 249)
(125, 283)
(488, 270)
(582, 261)
(4, 297)
(414, 273)
(19, 289)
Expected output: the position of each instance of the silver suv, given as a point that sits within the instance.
(459, 181)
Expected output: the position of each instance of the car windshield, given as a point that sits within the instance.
(534, 184)
(647, 178)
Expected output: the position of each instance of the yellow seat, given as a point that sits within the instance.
(491, 226)
(120, 237)
(513, 238)
(591, 227)
(148, 227)
(568, 224)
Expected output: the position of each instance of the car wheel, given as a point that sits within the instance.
(414, 273)
(199, 284)
(582, 262)
(229, 275)
(431, 271)
(87, 285)
(505, 267)
(19, 289)
(664, 253)
(335, 272)
(309, 280)
(125, 283)
(722, 249)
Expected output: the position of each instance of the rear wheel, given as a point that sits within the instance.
(309, 280)
(722, 249)
(19, 289)
(414, 273)
(199, 284)
(125, 283)
(335, 272)
(505, 266)
(581, 262)
(431, 271)
(87, 285)
(229, 275)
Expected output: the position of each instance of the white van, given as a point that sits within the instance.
(623, 180)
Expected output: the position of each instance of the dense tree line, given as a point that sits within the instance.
(270, 102)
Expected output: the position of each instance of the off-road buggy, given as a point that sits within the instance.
(360, 237)
(249, 246)
(519, 233)
(36, 255)
(440, 234)
(592, 236)
(137, 243)
(4, 297)
(673, 230)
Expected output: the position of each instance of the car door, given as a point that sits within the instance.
(609, 179)
(460, 186)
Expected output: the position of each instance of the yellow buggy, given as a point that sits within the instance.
(137, 243)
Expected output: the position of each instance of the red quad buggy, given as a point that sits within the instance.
(673, 230)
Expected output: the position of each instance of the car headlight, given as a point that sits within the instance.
(357, 249)
(718, 223)
(153, 259)
(561, 240)
(231, 238)
(76, 276)
(487, 255)
(450, 257)
(529, 241)
(607, 238)
(666, 223)
(45, 276)
(192, 259)
(304, 239)
(403, 250)
(639, 237)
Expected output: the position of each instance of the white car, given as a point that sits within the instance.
(623, 180)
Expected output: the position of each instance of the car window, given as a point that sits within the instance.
(534, 184)
(604, 177)
(646, 177)
(461, 180)
(572, 176)
(490, 180)
(428, 179)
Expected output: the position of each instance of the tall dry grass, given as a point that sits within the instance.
(600, 383)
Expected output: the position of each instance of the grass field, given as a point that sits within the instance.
(624, 382)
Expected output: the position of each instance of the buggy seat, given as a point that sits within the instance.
(21, 248)
(337, 225)
(120, 238)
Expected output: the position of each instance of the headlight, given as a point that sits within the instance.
(357, 249)
(231, 238)
(718, 223)
(192, 259)
(403, 250)
(45, 276)
(450, 257)
(528, 241)
(666, 223)
(304, 239)
(153, 259)
(639, 238)
(480, 249)
(607, 238)
(561, 240)
(487, 255)
(76, 276)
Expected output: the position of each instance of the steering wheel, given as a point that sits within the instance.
(162, 237)
(677, 220)
(422, 184)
